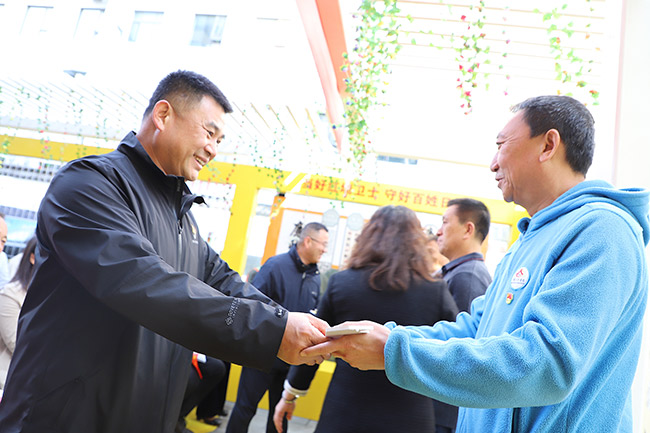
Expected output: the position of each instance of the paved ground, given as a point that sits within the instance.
(258, 425)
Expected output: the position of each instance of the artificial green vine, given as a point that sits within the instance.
(377, 44)
(367, 66)
(567, 64)
(471, 54)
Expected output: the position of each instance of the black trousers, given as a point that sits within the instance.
(204, 394)
(220, 392)
(252, 385)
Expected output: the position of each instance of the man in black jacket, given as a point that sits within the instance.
(465, 226)
(292, 280)
(124, 286)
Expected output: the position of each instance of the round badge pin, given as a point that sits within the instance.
(520, 278)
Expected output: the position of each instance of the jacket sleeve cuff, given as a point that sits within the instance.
(295, 391)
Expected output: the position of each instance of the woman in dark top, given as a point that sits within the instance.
(387, 279)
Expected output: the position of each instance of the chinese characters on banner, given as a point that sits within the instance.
(375, 194)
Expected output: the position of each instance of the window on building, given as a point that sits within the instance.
(208, 29)
(146, 26)
(37, 21)
(88, 23)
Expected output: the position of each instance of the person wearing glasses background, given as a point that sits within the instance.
(292, 280)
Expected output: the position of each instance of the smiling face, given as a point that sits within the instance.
(514, 163)
(187, 138)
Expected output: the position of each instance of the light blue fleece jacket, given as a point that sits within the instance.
(553, 344)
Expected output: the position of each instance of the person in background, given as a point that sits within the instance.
(5, 274)
(387, 278)
(465, 225)
(437, 259)
(12, 296)
(201, 391)
(251, 274)
(125, 288)
(553, 345)
(292, 280)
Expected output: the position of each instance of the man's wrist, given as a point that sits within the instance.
(288, 397)
(294, 391)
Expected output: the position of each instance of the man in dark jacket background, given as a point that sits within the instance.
(465, 226)
(292, 280)
(124, 287)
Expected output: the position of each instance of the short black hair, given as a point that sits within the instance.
(187, 88)
(311, 229)
(468, 209)
(570, 118)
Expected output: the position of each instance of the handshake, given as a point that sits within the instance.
(305, 342)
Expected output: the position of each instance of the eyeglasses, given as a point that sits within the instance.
(324, 244)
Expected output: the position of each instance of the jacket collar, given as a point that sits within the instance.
(460, 260)
(131, 146)
(310, 269)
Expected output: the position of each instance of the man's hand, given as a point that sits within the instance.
(282, 409)
(302, 331)
(363, 351)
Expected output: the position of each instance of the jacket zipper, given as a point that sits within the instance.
(179, 222)
(180, 243)
(515, 422)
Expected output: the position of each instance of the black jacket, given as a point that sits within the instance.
(366, 401)
(289, 282)
(121, 292)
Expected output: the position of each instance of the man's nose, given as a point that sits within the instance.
(211, 148)
(494, 166)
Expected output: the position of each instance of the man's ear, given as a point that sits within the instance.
(470, 229)
(552, 143)
(161, 113)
